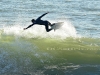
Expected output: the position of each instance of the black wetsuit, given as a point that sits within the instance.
(41, 22)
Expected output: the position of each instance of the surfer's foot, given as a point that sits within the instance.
(51, 27)
(48, 30)
(53, 24)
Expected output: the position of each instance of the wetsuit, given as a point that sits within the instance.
(41, 22)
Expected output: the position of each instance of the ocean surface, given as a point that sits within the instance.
(74, 49)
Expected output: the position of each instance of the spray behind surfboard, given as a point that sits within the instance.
(38, 31)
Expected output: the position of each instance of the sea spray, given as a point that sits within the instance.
(38, 31)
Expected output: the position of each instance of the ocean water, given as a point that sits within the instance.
(74, 49)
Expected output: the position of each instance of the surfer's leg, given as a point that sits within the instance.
(50, 23)
(47, 28)
(47, 24)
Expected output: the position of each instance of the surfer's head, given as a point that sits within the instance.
(33, 20)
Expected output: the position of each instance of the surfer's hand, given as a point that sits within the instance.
(47, 12)
(24, 29)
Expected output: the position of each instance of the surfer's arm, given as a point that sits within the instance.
(28, 26)
(42, 15)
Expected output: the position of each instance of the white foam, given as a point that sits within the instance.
(38, 31)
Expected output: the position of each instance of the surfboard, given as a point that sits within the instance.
(56, 26)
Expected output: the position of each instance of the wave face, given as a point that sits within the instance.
(27, 53)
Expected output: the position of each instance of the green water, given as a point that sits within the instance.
(47, 56)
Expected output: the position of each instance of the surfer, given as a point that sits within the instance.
(41, 22)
